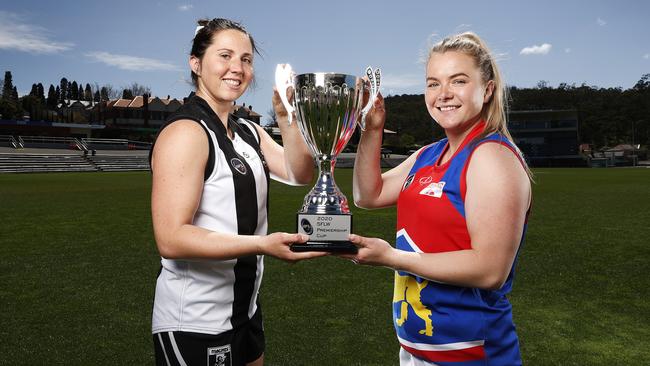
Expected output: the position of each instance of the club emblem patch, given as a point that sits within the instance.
(408, 181)
(219, 356)
(238, 165)
(433, 190)
(306, 226)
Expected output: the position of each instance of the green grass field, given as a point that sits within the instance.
(78, 266)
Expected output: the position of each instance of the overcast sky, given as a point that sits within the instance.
(601, 43)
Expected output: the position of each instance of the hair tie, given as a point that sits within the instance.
(198, 28)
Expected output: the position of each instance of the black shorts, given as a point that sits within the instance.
(232, 348)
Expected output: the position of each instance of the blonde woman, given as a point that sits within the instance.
(462, 208)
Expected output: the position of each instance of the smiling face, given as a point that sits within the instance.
(455, 92)
(226, 68)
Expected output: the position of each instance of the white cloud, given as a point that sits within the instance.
(131, 63)
(185, 7)
(567, 50)
(600, 22)
(536, 50)
(17, 35)
(646, 56)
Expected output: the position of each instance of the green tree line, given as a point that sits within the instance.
(608, 116)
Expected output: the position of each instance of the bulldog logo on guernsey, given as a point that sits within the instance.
(238, 165)
(433, 190)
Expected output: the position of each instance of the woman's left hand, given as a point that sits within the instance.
(279, 108)
(372, 251)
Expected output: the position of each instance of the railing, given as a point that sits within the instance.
(115, 144)
(10, 140)
(105, 144)
(83, 144)
(139, 145)
(49, 142)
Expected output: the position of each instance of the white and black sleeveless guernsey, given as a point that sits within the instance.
(214, 296)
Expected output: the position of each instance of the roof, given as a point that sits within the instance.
(138, 102)
(621, 147)
(250, 112)
(121, 103)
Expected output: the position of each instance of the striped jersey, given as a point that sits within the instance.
(214, 296)
(447, 324)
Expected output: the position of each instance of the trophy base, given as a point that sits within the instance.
(321, 246)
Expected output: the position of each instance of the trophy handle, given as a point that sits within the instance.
(374, 78)
(283, 80)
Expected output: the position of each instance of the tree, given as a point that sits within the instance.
(137, 89)
(103, 94)
(80, 93)
(40, 93)
(8, 109)
(109, 92)
(127, 94)
(8, 104)
(643, 83)
(74, 90)
(406, 140)
(88, 93)
(58, 94)
(63, 94)
(8, 86)
(51, 97)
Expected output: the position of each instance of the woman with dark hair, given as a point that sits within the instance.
(462, 210)
(209, 208)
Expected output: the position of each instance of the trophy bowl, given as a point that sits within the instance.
(328, 107)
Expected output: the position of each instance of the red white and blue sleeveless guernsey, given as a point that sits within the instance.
(444, 324)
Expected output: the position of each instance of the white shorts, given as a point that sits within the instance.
(407, 359)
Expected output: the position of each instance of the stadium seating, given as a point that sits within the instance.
(33, 163)
(32, 154)
(119, 163)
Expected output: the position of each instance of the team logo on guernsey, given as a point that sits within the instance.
(433, 190)
(219, 356)
(238, 165)
(408, 181)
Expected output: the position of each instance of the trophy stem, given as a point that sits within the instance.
(326, 168)
(325, 197)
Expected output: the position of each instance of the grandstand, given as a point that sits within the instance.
(38, 154)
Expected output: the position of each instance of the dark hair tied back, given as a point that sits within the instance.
(203, 37)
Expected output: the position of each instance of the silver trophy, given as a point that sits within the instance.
(328, 107)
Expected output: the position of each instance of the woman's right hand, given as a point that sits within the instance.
(279, 245)
(376, 117)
